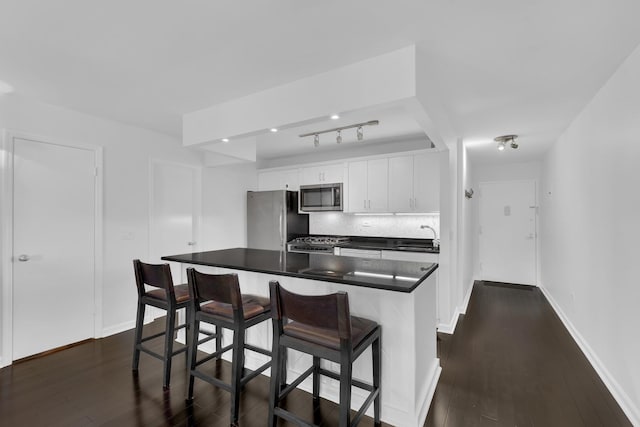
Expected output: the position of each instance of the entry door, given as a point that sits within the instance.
(53, 246)
(175, 212)
(508, 232)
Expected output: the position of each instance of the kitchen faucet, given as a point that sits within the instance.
(436, 241)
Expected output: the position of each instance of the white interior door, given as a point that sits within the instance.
(508, 232)
(175, 212)
(53, 246)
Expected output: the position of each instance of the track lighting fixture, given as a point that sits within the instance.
(504, 139)
(358, 126)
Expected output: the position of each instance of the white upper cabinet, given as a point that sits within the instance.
(414, 183)
(401, 184)
(279, 180)
(325, 174)
(426, 182)
(368, 186)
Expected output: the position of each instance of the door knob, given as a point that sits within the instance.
(23, 258)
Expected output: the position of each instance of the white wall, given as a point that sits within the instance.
(467, 256)
(590, 229)
(224, 205)
(404, 226)
(127, 151)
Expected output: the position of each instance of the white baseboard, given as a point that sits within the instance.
(116, 329)
(626, 404)
(450, 328)
(426, 399)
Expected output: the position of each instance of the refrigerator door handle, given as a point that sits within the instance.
(280, 229)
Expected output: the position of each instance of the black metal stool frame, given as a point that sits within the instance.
(227, 291)
(345, 356)
(159, 276)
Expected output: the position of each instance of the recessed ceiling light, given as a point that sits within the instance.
(5, 88)
(273, 130)
(335, 117)
(225, 139)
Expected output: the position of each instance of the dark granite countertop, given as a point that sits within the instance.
(391, 244)
(398, 276)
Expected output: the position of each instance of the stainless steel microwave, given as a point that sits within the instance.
(321, 197)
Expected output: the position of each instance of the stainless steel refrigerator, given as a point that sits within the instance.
(273, 219)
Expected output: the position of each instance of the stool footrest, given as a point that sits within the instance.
(365, 405)
(252, 374)
(289, 388)
(354, 381)
(158, 355)
(211, 380)
(214, 355)
(292, 418)
(258, 349)
(207, 339)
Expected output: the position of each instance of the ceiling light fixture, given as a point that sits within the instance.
(274, 130)
(225, 139)
(335, 117)
(504, 139)
(338, 130)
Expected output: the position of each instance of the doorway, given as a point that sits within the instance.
(507, 232)
(175, 214)
(51, 294)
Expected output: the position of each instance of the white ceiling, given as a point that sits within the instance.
(496, 66)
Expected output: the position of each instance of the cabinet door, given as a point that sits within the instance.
(357, 186)
(290, 180)
(268, 181)
(378, 185)
(325, 174)
(426, 182)
(311, 175)
(401, 184)
(333, 173)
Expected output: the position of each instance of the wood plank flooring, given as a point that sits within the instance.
(91, 384)
(511, 362)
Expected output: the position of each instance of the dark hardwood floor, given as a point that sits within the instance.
(511, 362)
(91, 384)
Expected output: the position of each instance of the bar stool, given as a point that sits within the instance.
(216, 300)
(322, 327)
(167, 297)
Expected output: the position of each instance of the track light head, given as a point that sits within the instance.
(339, 137)
(316, 140)
(360, 133)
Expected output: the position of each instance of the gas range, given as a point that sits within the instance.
(315, 244)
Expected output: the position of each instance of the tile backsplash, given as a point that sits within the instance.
(404, 226)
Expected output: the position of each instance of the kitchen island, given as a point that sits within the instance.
(399, 295)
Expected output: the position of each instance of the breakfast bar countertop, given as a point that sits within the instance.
(398, 276)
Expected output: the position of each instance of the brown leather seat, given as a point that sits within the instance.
(252, 305)
(216, 299)
(181, 293)
(167, 297)
(360, 328)
(322, 327)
